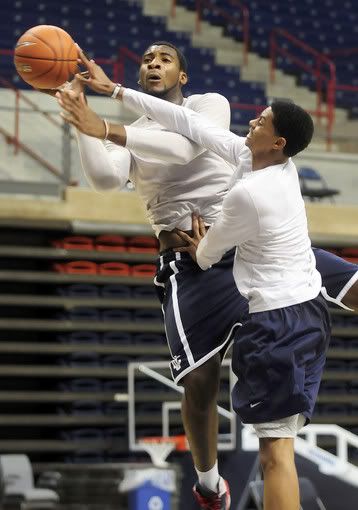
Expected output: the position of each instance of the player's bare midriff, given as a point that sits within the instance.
(170, 239)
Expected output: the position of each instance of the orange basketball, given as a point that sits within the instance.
(45, 56)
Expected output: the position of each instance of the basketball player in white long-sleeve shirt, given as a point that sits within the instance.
(111, 180)
(280, 351)
(174, 177)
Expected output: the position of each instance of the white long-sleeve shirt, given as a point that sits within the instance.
(173, 175)
(263, 215)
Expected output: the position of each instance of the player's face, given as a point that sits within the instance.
(160, 71)
(262, 138)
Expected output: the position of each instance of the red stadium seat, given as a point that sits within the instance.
(143, 270)
(114, 268)
(349, 252)
(77, 267)
(143, 244)
(111, 243)
(74, 243)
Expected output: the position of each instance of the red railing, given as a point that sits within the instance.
(118, 72)
(343, 52)
(201, 4)
(14, 139)
(327, 79)
(124, 54)
(19, 96)
(114, 64)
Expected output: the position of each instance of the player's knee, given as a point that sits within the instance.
(276, 453)
(202, 384)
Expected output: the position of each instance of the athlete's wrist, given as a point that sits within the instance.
(117, 91)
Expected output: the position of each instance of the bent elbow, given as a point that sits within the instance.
(108, 183)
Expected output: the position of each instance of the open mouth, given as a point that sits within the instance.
(152, 78)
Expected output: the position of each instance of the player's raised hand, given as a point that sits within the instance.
(75, 84)
(79, 114)
(96, 79)
(198, 232)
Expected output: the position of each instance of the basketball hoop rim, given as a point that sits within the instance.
(180, 442)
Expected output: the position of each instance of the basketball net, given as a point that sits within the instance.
(159, 447)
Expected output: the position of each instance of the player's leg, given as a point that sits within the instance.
(200, 420)
(200, 309)
(276, 439)
(339, 279)
(351, 297)
(279, 358)
(199, 413)
(281, 488)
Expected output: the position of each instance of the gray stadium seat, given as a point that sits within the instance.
(18, 485)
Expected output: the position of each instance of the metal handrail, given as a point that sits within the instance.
(316, 71)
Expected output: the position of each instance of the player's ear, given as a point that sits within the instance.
(280, 143)
(183, 78)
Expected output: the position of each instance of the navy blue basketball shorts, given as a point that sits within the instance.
(278, 357)
(338, 276)
(201, 309)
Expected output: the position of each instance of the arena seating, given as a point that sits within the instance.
(66, 343)
(322, 24)
(103, 27)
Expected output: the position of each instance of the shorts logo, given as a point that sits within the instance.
(256, 404)
(176, 362)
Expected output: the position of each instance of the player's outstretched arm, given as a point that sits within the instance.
(105, 167)
(160, 145)
(169, 147)
(188, 123)
(181, 120)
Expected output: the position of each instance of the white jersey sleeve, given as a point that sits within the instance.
(237, 222)
(172, 147)
(191, 124)
(106, 165)
(164, 146)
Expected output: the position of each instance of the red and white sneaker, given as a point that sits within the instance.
(213, 500)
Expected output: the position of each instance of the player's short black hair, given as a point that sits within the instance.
(292, 123)
(183, 64)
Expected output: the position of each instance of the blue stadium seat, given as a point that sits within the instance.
(116, 314)
(90, 385)
(149, 338)
(114, 337)
(86, 337)
(78, 290)
(116, 291)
